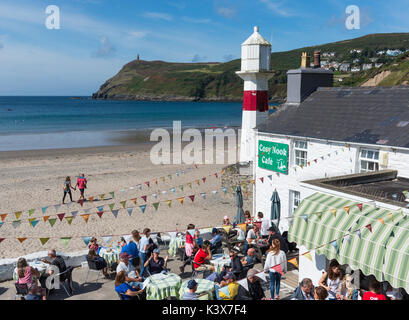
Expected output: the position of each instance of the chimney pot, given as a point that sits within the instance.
(317, 59)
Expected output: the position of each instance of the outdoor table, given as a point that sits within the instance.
(39, 265)
(160, 286)
(110, 255)
(174, 245)
(203, 286)
(220, 260)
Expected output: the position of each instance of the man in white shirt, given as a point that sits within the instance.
(132, 277)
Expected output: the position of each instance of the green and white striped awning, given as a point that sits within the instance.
(366, 240)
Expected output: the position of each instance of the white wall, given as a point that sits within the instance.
(346, 162)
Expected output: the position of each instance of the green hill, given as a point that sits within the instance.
(159, 80)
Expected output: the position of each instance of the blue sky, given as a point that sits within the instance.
(97, 37)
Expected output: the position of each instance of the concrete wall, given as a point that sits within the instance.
(345, 162)
(7, 266)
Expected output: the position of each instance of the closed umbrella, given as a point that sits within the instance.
(275, 207)
(239, 204)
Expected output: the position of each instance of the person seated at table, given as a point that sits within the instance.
(229, 280)
(132, 276)
(254, 291)
(93, 244)
(247, 217)
(252, 237)
(235, 265)
(191, 294)
(250, 259)
(198, 239)
(375, 291)
(145, 246)
(320, 293)
(216, 241)
(100, 262)
(226, 221)
(56, 261)
(185, 251)
(28, 275)
(156, 264)
(272, 234)
(202, 258)
(127, 291)
(189, 260)
(304, 291)
(34, 293)
(263, 223)
(131, 248)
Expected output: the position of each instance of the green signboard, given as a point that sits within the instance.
(273, 156)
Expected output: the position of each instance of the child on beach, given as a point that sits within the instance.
(82, 185)
(67, 188)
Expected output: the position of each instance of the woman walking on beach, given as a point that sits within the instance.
(82, 184)
(67, 188)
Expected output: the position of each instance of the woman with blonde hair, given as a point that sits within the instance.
(276, 265)
(348, 289)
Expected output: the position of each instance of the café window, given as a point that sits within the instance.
(295, 199)
(300, 148)
(369, 160)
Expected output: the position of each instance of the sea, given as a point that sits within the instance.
(31, 123)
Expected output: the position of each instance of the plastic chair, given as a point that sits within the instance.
(68, 278)
(21, 290)
(92, 267)
(195, 271)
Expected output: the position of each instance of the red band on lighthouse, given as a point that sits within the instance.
(255, 100)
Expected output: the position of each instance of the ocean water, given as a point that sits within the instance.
(62, 122)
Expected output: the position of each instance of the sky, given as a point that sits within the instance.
(97, 37)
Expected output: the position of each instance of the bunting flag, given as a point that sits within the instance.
(147, 183)
(100, 213)
(111, 206)
(68, 204)
(123, 204)
(16, 224)
(270, 177)
(100, 208)
(33, 222)
(31, 211)
(181, 187)
(131, 188)
(216, 175)
(204, 180)
(1, 239)
(347, 209)
(115, 213)
(112, 194)
(203, 195)
(81, 202)
(224, 190)
(192, 197)
(44, 209)
(1, 224)
(244, 283)
(315, 160)
(85, 217)
(294, 262)
(86, 240)
(181, 200)
(347, 238)
(102, 196)
(45, 218)
(214, 192)
(156, 205)
(369, 227)
(69, 219)
(360, 206)
(164, 192)
(74, 213)
(381, 221)
(183, 171)
(358, 233)
(305, 217)
(143, 207)
(3, 216)
(21, 239)
(87, 210)
(262, 179)
(169, 203)
(334, 244)
(44, 240)
(334, 212)
(253, 182)
(177, 174)
(106, 239)
(133, 200)
(60, 216)
(197, 182)
(308, 255)
(65, 241)
(391, 216)
(234, 188)
(91, 199)
(163, 179)
(18, 214)
(155, 196)
(144, 198)
(170, 176)
(190, 185)
(173, 190)
(277, 268)
(52, 221)
(57, 207)
(139, 186)
(129, 211)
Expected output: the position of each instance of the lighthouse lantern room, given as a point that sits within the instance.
(255, 71)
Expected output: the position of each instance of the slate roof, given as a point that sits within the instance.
(369, 115)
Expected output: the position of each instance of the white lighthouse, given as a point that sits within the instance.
(255, 71)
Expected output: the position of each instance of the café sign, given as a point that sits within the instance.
(273, 156)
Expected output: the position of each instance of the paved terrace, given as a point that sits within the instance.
(104, 289)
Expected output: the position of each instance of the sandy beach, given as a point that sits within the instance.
(33, 179)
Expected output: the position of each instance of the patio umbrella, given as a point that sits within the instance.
(275, 208)
(239, 204)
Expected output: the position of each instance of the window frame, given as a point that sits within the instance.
(302, 160)
(368, 160)
(294, 194)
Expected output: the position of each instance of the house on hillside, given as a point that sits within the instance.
(344, 67)
(367, 66)
(355, 69)
(378, 65)
(393, 53)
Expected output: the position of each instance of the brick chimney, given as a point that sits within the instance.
(317, 59)
(304, 81)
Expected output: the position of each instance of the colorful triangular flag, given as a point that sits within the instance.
(100, 213)
(60, 216)
(134, 200)
(86, 240)
(308, 255)
(31, 211)
(16, 224)
(129, 211)
(44, 209)
(85, 217)
(52, 221)
(369, 227)
(144, 198)
(347, 209)
(69, 219)
(294, 262)
(192, 197)
(18, 214)
(155, 205)
(115, 212)
(143, 207)
(45, 218)
(44, 240)
(360, 206)
(112, 194)
(181, 200)
(21, 239)
(65, 241)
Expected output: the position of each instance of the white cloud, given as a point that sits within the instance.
(106, 49)
(137, 34)
(198, 58)
(226, 12)
(195, 20)
(158, 15)
(277, 7)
